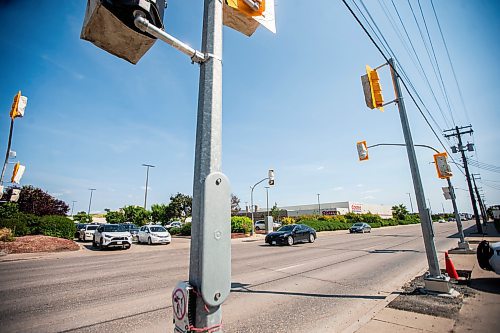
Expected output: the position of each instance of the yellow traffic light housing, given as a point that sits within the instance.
(362, 150)
(18, 106)
(372, 89)
(442, 166)
(18, 172)
(242, 6)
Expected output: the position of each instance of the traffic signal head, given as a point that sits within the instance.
(245, 16)
(18, 172)
(372, 89)
(362, 150)
(442, 166)
(18, 106)
(271, 177)
(109, 24)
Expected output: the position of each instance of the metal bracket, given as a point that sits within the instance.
(216, 243)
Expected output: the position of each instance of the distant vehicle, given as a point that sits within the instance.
(452, 219)
(87, 233)
(132, 228)
(442, 221)
(174, 224)
(79, 226)
(291, 234)
(154, 234)
(112, 235)
(360, 227)
(261, 225)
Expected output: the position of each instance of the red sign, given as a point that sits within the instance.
(356, 208)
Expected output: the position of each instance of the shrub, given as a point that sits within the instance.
(375, 224)
(17, 225)
(6, 235)
(241, 224)
(325, 225)
(174, 231)
(186, 229)
(287, 221)
(56, 226)
(8, 210)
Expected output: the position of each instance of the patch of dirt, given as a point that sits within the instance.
(415, 299)
(38, 243)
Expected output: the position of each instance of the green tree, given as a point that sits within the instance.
(159, 213)
(137, 215)
(82, 217)
(114, 216)
(275, 212)
(179, 207)
(33, 200)
(399, 212)
(235, 204)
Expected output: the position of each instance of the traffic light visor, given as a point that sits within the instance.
(362, 150)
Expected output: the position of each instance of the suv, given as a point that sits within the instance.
(261, 225)
(111, 235)
(154, 234)
(78, 227)
(132, 228)
(87, 233)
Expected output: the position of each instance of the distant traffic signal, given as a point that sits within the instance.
(18, 172)
(372, 89)
(362, 150)
(18, 106)
(442, 166)
(271, 177)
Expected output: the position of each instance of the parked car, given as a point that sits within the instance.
(112, 235)
(360, 227)
(291, 234)
(87, 233)
(79, 226)
(261, 225)
(442, 221)
(452, 219)
(174, 224)
(132, 228)
(154, 234)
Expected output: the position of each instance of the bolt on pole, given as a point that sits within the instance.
(425, 218)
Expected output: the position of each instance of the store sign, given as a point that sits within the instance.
(356, 208)
(329, 212)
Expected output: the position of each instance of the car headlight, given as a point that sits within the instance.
(107, 236)
(154, 235)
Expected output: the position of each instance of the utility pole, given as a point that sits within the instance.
(210, 256)
(267, 200)
(147, 179)
(435, 279)
(72, 207)
(90, 201)
(411, 203)
(458, 133)
(479, 199)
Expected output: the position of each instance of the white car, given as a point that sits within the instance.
(112, 235)
(87, 233)
(261, 225)
(175, 224)
(153, 234)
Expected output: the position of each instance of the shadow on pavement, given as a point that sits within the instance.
(489, 285)
(393, 251)
(237, 287)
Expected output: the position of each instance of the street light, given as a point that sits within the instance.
(147, 179)
(90, 201)
(411, 203)
(270, 177)
(72, 207)
(267, 200)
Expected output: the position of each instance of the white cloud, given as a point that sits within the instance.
(338, 188)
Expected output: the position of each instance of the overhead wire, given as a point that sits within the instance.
(396, 72)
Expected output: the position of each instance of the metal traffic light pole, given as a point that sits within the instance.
(433, 281)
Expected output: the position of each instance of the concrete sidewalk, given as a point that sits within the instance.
(479, 312)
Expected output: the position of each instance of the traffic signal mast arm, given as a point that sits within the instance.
(401, 144)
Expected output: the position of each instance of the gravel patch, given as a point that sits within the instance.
(38, 243)
(415, 299)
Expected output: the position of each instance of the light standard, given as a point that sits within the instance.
(319, 205)
(267, 200)
(147, 179)
(90, 201)
(411, 203)
(72, 207)
(271, 182)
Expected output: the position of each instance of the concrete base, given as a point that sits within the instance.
(463, 248)
(439, 285)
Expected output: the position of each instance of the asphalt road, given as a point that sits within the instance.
(322, 287)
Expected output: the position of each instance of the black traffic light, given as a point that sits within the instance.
(109, 24)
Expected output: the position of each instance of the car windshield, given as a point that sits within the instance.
(358, 225)
(157, 229)
(114, 228)
(287, 228)
(92, 227)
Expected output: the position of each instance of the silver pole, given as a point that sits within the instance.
(267, 200)
(411, 203)
(425, 218)
(252, 209)
(208, 156)
(457, 215)
(90, 201)
(147, 181)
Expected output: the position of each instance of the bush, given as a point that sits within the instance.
(18, 225)
(174, 231)
(186, 229)
(241, 224)
(6, 235)
(325, 225)
(8, 210)
(56, 226)
(287, 221)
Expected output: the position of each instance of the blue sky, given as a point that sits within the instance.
(291, 101)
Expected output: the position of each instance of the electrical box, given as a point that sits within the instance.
(269, 224)
(180, 307)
